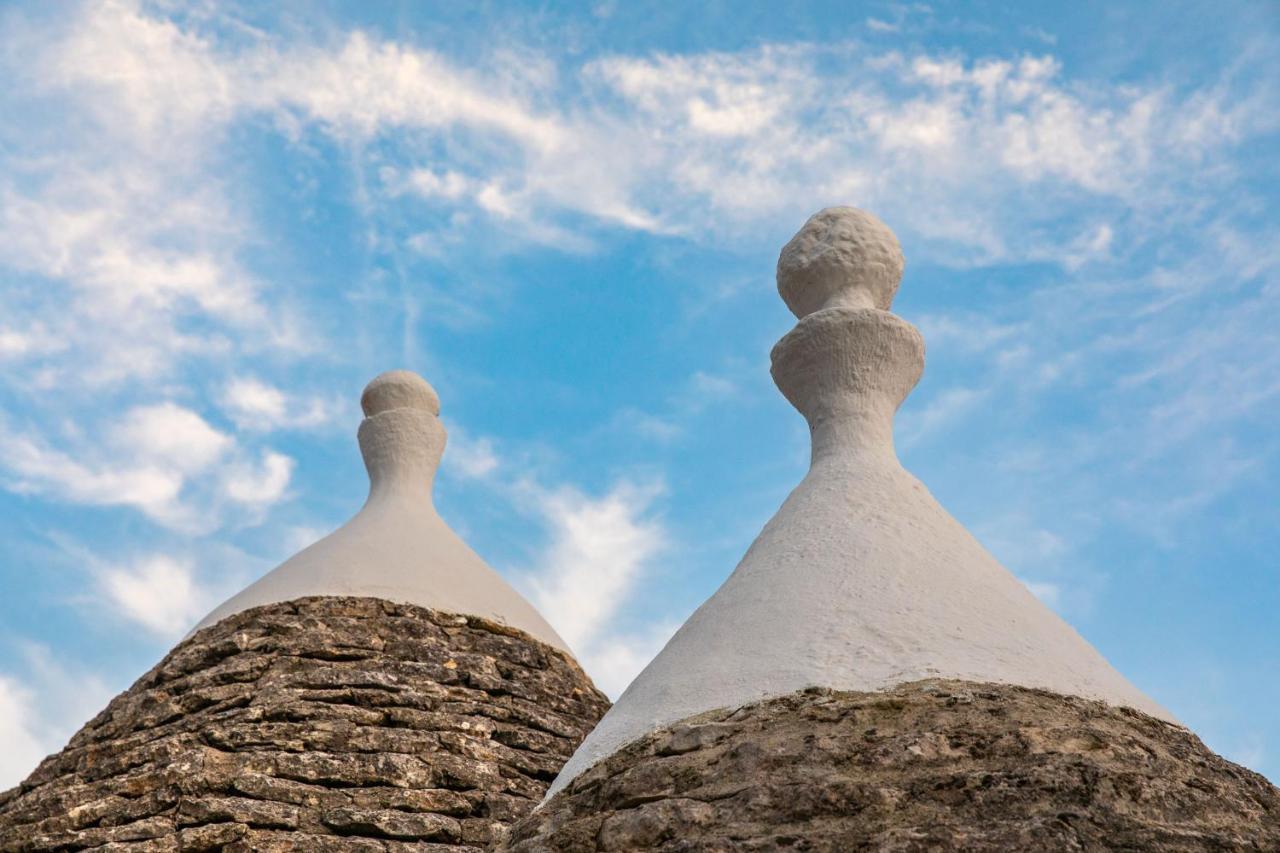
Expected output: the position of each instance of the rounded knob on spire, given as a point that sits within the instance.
(842, 256)
(398, 389)
(401, 437)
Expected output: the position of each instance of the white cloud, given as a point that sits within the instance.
(256, 405)
(260, 485)
(158, 592)
(598, 549)
(130, 256)
(35, 340)
(653, 427)
(471, 459)
(707, 386)
(450, 185)
(41, 709)
(34, 467)
(966, 333)
(944, 410)
(169, 81)
(1049, 593)
(613, 661)
(21, 744)
(142, 237)
(368, 84)
(740, 136)
(106, 195)
(167, 434)
(162, 459)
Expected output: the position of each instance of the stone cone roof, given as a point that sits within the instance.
(383, 690)
(869, 677)
(927, 766)
(318, 724)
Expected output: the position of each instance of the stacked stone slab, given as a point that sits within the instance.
(926, 766)
(323, 723)
(869, 678)
(300, 717)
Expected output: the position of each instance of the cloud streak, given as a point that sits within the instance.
(162, 459)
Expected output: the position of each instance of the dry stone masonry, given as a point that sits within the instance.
(927, 766)
(318, 724)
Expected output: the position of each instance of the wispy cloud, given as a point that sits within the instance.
(1049, 593)
(260, 406)
(162, 459)
(40, 708)
(20, 743)
(159, 592)
(470, 458)
(597, 549)
(939, 413)
(258, 484)
(614, 660)
(140, 243)
(597, 553)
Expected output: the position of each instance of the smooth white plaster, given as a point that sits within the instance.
(397, 547)
(862, 581)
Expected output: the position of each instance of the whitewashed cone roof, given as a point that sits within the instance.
(861, 581)
(397, 547)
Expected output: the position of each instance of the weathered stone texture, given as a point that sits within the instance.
(930, 766)
(321, 724)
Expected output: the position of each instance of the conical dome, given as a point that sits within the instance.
(869, 677)
(382, 689)
(397, 547)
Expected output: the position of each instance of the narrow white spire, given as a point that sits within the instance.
(397, 547)
(861, 581)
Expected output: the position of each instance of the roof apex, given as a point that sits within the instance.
(397, 547)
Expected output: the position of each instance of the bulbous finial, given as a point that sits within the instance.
(842, 256)
(846, 368)
(398, 389)
(401, 437)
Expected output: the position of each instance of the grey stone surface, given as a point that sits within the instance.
(318, 724)
(928, 766)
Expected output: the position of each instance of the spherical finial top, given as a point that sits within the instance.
(398, 389)
(842, 256)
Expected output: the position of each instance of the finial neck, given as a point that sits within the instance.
(847, 370)
(402, 450)
(401, 437)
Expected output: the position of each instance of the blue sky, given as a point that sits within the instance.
(218, 221)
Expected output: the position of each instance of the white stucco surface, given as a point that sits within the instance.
(397, 547)
(862, 581)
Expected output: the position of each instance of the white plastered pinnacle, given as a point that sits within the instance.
(861, 581)
(397, 547)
